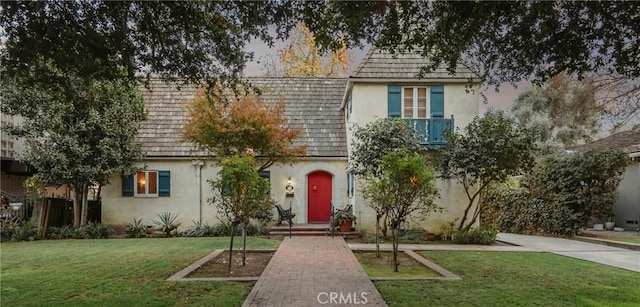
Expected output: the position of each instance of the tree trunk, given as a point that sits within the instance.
(85, 205)
(394, 247)
(378, 236)
(76, 205)
(231, 248)
(385, 230)
(244, 243)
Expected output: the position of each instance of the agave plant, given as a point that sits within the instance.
(167, 223)
(136, 229)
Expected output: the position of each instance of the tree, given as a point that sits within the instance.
(78, 131)
(240, 195)
(562, 114)
(190, 40)
(491, 149)
(619, 97)
(502, 41)
(226, 121)
(302, 58)
(407, 188)
(586, 183)
(370, 144)
(377, 139)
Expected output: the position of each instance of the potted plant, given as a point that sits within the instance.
(609, 224)
(344, 219)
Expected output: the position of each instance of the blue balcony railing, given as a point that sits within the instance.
(432, 130)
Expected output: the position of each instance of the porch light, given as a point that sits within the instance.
(288, 189)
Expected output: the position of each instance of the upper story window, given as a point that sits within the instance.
(415, 102)
(423, 108)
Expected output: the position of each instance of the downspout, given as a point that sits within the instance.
(198, 164)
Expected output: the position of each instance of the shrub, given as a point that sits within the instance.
(199, 229)
(586, 183)
(64, 232)
(485, 234)
(9, 221)
(515, 210)
(96, 231)
(136, 229)
(26, 231)
(167, 223)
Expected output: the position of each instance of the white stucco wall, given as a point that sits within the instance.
(369, 102)
(185, 200)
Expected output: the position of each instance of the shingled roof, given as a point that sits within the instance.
(378, 64)
(626, 141)
(312, 104)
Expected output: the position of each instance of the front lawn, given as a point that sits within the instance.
(516, 279)
(116, 272)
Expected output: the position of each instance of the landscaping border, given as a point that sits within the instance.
(181, 275)
(445, 274)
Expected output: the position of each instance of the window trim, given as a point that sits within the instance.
(146, 178)
(415, 102)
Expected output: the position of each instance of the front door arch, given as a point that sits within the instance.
(319, 196)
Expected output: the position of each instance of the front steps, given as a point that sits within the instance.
(309, 230)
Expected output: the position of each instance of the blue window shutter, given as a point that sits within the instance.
(394, 103)
(127, 185)
(164, 183)
(437, 100)
(266, 174)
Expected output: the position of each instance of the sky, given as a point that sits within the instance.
(501, 100)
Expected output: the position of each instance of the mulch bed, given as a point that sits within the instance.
(218, 267)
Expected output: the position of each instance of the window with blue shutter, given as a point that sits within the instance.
(394, 102)
(164, 183)
(437, 101)
(266, 175)
(127, 186)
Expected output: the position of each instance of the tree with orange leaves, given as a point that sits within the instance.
(234, 121)
(302, 58)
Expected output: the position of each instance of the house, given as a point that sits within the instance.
(175, 178)
(177, 175)
(627, 206)
(386, 85)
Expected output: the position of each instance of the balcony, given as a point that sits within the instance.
(432, 130)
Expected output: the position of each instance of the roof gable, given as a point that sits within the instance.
(378, 64)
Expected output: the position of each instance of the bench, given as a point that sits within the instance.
(285, 215)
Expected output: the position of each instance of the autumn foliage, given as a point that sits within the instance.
(302, 58)
(225, 122)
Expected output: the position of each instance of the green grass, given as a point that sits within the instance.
(381, 267)
(516, 279)
(635, 240)
(116, 272)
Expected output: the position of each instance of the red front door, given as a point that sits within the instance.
(319, 197)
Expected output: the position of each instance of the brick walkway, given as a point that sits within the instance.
(313, 271)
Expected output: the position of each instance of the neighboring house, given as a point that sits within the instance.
(627, 207)
(13, 171)
(383, 86)
(386, 85)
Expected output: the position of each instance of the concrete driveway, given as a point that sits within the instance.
(613, 256)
